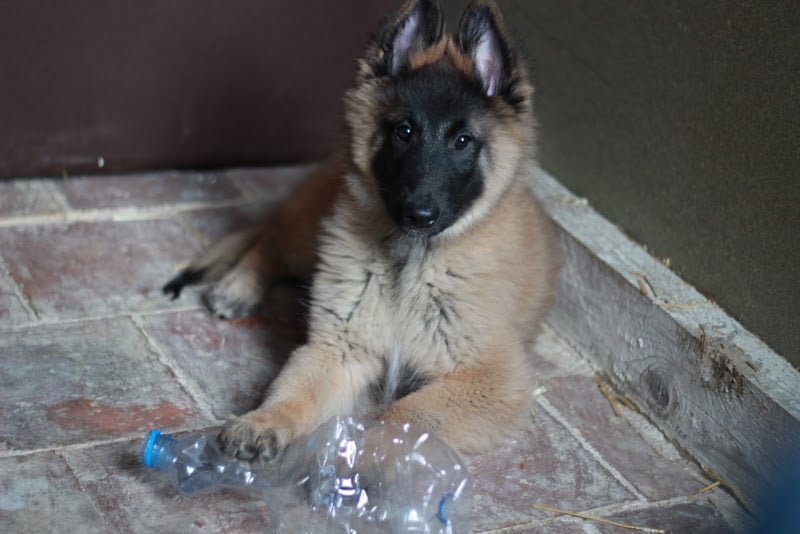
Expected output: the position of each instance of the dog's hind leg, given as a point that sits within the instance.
(213, 263)
(242, 267)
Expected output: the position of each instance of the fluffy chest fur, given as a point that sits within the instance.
(375, 298)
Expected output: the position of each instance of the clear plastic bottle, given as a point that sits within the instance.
(343, 477)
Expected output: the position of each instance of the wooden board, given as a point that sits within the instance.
(713, 388)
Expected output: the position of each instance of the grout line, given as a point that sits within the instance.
(88, 318)
(184, 381)
(633, 506)
(26, 303)
(82, 486)
(555, 414)
(118, 214)
(66, 448)
(525, 527)
(128, 437)
(600, 511)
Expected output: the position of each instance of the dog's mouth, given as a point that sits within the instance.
(411, 232)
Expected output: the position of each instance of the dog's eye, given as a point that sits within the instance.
(403, 132)
(462, 142)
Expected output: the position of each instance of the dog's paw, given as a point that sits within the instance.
(251, 438)
(237, 295)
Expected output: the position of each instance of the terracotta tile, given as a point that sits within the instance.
(135, 499)
(88, 269)
(147, 189)
(558, 525)
(27, 197)
(232, 362)
(84, 381)
(618, 442)
(267, 186)
(270, 183)
(551, 356)
(213, 224)
(38, 493)
(545, 465)
(681, 518)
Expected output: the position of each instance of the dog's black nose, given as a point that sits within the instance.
(420, 217)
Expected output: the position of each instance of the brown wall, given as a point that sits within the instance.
(178, 83)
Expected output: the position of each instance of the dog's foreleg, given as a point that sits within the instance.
(316, 384)
(471, 406)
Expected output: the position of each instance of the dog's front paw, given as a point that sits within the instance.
(253, 437)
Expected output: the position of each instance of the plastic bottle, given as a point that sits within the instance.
(343, 477)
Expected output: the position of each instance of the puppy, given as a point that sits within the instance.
(431, 262)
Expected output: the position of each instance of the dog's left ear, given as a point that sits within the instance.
(483, 36)
(417, 25)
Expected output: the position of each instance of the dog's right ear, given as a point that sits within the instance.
(416, 26)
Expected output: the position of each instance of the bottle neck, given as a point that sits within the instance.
(158, 450)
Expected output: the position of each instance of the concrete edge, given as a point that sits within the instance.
(711, 386)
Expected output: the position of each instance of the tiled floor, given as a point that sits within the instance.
(92, 355)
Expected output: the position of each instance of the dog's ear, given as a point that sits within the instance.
(483, 36)
(416, 26)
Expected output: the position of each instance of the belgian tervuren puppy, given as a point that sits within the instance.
(431, 262)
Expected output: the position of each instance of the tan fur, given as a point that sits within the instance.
(444, 48)
(460, 306)
(245, 265)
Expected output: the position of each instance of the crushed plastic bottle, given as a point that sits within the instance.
(343, 477)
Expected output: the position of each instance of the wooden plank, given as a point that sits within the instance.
(713, 388)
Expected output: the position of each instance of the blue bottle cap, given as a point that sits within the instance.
(147, 452)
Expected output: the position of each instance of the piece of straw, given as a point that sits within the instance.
(708, 488)
(713, 475)
(599, 519)
(609, 397)
(615, 399)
